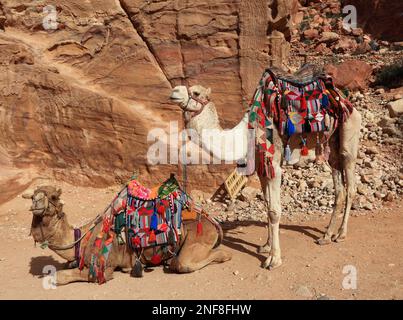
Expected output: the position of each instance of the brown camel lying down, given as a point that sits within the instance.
(50, 227)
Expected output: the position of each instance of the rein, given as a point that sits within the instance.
(73, 244)
(194, 113)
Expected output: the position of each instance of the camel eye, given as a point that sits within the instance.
(54, 197)
(196, 94)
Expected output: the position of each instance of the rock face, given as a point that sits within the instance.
(379, 17)
(352, 74)
(80, 94)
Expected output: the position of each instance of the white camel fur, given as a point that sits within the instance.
(344, 144)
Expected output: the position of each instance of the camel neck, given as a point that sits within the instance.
(208, 119)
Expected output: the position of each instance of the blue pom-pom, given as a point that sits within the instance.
(154, 219)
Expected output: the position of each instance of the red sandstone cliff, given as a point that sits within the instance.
(79, 101)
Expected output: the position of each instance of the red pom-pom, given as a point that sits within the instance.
(136, 241)
(304, 151)
(156, 259)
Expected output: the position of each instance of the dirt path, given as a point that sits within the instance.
(374, 248)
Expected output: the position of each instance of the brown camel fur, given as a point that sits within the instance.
(50, 225)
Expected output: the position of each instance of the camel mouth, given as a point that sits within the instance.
(175, 99)
(37, 212)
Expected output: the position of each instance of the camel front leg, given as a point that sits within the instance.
(272, 192)
(266, 248)
(64, 277)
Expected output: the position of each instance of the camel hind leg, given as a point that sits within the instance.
(340, 196)
(182, 263)
(351, 191)
(349, 144)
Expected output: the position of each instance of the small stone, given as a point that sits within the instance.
(322, 202)
(311, 34)
(389, 196)
(380, 91)
(303, 291)
(236, 272)
(395, 108)
(368, 206)
(379, 195)
(329, 37)
(249, 193)
(386, 122)
(372, 150)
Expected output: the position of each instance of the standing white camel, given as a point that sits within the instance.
(200, 114)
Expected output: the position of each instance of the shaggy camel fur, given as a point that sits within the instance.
(201, 115)
(49, 224)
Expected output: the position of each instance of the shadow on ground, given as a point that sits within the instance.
(232, 240)
(38, 263)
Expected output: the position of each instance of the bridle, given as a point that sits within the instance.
(193, 113)
(60, 215)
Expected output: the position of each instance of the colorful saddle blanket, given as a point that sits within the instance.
(305, 102)
(152, 217)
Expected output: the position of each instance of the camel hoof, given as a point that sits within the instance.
(264, 249)
(323, 241)
(339, 238)
(272, 263)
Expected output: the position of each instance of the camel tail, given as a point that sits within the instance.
(220, 235)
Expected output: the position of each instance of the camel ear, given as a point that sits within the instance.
(59, 192)
(28, 194)
(208, 92)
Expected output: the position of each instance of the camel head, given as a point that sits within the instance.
(45, 201)
(192, 100)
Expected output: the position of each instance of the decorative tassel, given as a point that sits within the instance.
(287, 153)
(101, 277)
(304, 149)
(152, 238)
(137, 270)
(120, 240)
(325, 101)
(303, 102)
(81, 266)
(171, 237)
(318, 150)
(271, 168)
(327, 122)
(290, 128)
(154, 219)
(199, 228)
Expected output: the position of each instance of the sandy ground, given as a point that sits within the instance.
(374, 248)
